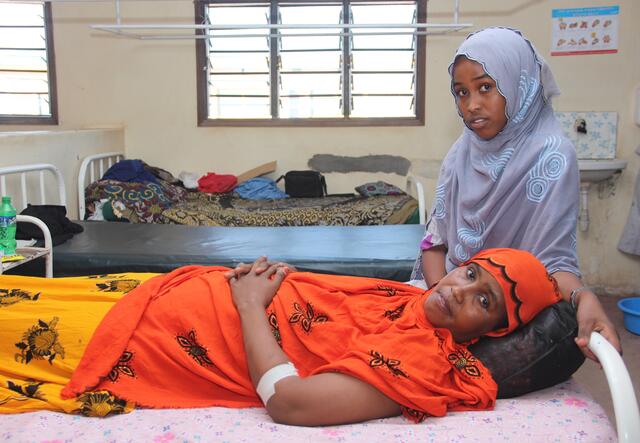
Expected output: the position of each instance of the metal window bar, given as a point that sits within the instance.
(240, 95)
(347, 41)
(309, 95)
(24, 93)
(274, 59)
(414, 43)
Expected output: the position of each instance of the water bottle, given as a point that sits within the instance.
(7, 226)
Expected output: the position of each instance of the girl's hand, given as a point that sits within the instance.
(257, 287)
(244, 268)
(591, 317)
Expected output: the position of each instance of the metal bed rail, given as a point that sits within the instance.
(93, 168)
(31, 253)
(623, 396)
(23, 170)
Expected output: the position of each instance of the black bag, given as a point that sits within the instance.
(55, 217)
(304, 184)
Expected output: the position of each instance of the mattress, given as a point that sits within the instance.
(385, 251)
(563, 413)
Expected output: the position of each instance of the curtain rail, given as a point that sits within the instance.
(126, 30)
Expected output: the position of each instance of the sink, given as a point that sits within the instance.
(592, 171)
(595, 171)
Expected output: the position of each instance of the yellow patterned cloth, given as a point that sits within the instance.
(45, 327)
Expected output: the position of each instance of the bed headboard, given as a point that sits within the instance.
(9, 173)
(93, 168)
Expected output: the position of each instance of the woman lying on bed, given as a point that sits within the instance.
(315, 349)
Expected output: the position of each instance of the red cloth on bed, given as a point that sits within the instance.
(175, 341)
(217, 183)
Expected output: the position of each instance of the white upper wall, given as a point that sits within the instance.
(149, 88)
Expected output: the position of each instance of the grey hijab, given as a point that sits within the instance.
(520, 188)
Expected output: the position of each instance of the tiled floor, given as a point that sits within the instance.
(592, 377)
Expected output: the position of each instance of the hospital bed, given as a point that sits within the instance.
(167, 202)
(20, 173)
(564, 412)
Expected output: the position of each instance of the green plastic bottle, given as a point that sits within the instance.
(7, 226)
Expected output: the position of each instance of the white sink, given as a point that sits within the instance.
(592, 171)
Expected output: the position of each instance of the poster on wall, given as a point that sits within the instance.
(581, 31)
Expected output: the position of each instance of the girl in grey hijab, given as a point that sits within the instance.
(511, 179)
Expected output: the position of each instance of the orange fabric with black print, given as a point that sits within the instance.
(525, 297)
(176, 342)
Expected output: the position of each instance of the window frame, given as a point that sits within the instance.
(17, 119)
(202, 89)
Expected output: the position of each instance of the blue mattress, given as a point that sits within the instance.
(385, 251)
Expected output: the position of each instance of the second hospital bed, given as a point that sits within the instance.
(167, 201)
(564, 412)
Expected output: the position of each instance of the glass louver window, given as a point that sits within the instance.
(27, 79)
(298, 73)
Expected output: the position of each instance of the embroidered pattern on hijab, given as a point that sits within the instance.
(520, 188)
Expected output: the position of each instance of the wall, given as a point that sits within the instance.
(149, 88)
(65, 149)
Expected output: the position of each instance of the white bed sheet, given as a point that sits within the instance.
(564, 413)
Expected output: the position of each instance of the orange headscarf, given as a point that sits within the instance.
(526, 285)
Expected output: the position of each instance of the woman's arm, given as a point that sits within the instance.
(328, 399)
(589, 313)
(322, 399)
(433, 264)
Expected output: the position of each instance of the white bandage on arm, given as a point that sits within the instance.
(267, 384)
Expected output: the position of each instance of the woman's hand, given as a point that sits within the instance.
(257, 286)
(244, 268)
(589, 313)
(591, 317)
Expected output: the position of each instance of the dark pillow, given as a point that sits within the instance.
(541, 354)
(378, 188)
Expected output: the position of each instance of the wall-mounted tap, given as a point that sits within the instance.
(580, 126)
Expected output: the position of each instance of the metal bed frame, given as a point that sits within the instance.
(31, 253)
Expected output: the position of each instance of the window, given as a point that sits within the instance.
(27, 75)
(304, 75)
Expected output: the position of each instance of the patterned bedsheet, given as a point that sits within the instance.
(564, 413)
(171, 204)
(136, 202)
(227, 210)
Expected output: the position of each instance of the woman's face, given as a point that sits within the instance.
(478, 99)
(468, 301)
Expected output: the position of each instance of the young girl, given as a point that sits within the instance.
(313, 349)
(511, 179)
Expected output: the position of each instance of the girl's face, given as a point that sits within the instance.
(468, 301)
(478, 99)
